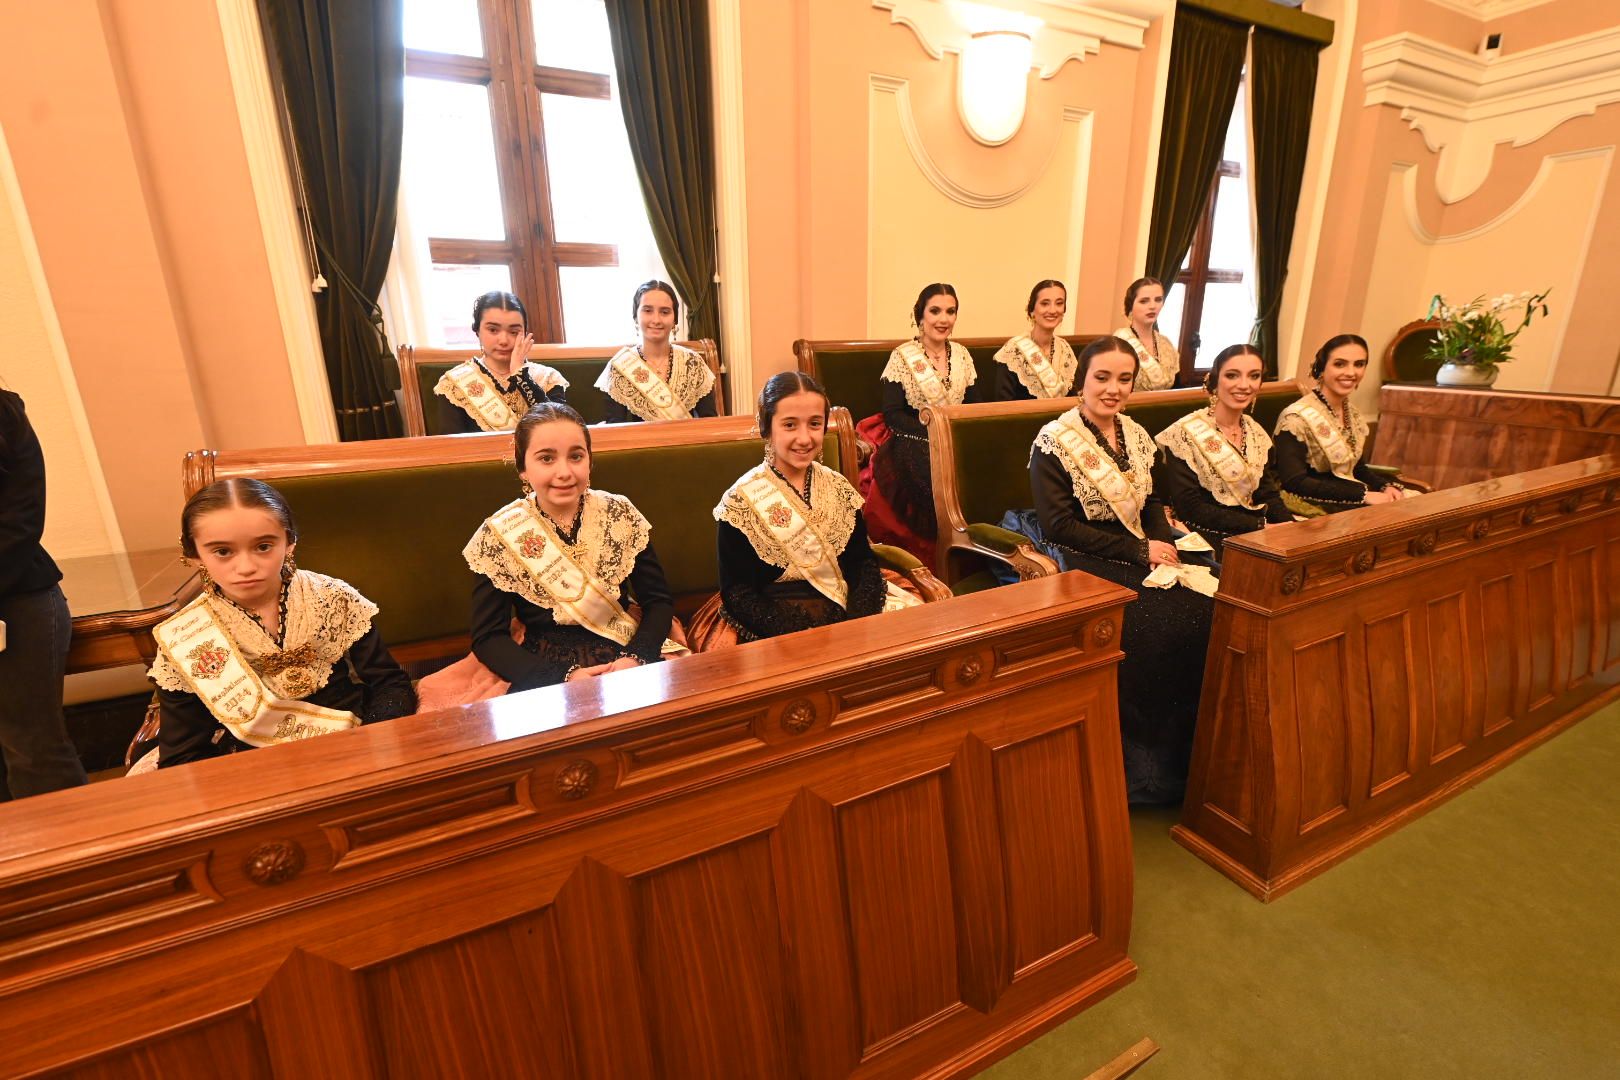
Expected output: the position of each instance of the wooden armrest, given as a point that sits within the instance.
(1393, 472)
(1009, 547)
(904, 562)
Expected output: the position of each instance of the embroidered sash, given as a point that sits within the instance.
(655, 393)
(804, 547)
(480, 397)
(1097, 466)
(1328, 438)
(928, 382)
(578, 597)
(1231, 468)
(1037, 368)
(212, 666)
(1150, 373)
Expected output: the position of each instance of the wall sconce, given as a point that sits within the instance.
(994, 84)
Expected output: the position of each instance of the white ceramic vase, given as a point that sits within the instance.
(1465, 375)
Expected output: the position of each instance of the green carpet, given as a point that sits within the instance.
(1482, 940)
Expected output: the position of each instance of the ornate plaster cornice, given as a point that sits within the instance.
(1489, 9)
(1071, 30)
(1464, 104)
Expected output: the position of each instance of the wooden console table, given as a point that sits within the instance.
(1446, 437)
(887, 848)
(116, 600)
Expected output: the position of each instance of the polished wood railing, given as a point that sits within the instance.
(893, 847)
(1446, 437)
(1366, 665)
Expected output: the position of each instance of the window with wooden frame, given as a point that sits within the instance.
(1211, 304)
(517, 167)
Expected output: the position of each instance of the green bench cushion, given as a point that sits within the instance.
(581, 374)
(397, 534)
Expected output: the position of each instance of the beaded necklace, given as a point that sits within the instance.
(1153, 349)
(805, 494)
(1242, 444)
(281, 610)
(1121, 456)
(1345, 425)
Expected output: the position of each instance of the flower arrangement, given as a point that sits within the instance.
(1474, 334)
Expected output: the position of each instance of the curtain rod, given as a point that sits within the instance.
(1272, 16)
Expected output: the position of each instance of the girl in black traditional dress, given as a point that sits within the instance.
(491, 391)
(656, 379)
(1038, 364)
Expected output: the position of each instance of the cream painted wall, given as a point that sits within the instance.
(1539, 242)
(78, 514)
(991, 255)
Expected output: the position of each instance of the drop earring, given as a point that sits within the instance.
(288, 567)
(770, 455)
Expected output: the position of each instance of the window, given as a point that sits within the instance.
(518, 168)
(1211, 304)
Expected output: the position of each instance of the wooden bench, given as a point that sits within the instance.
(391, 516)
(850, 370)
(581, 365)
(893, 848)
(979, 458)
(1363, 667)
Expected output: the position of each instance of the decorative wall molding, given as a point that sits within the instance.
(1070, 30)
(278, 217)
(725, 19)
(1408, 172)
(1464, 105)
(981, 200)
(1489, 9)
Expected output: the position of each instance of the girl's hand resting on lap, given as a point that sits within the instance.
(1162, 554)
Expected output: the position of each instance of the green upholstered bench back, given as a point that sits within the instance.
(580, 366)
(850, 370)
(397, 534)
(991, 452)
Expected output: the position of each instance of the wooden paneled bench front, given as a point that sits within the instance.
(893, 848)
(391, 517)
(850, 369)
(420, 369)
(1365, 666)
(979, 459)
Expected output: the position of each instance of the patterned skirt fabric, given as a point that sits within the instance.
(899, 491)
(1165, 636)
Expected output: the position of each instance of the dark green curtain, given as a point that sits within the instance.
(661, 56)
(340, 67)
(1206, 63)
(1283, 68)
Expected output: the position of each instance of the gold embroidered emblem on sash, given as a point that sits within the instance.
(475, 390)
(532, 544)
(208, 660)
(642, 375)
(1090, 460)
(1212, 444)
(781, 516)
(919, 366)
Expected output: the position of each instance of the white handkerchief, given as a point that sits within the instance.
(1192, 542)
(1196, 578)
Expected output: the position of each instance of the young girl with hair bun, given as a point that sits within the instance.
(1158, 365)
(793, 545)
(268, 653)
(656, 379)
(493, 389)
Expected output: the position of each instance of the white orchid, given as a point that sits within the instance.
(1472, 334)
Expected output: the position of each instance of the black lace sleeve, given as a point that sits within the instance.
(557, 395)
(898, 414)
(1008, 386)
(186, 730)
(453, 419)
(614, 413)
(1269, 495)
(1291, 462)
(705, 405)
(493, 645)
(1063, 521)
(744, 582)
(1193, 503)
(651, 590)
(863, 575)
(388, 691)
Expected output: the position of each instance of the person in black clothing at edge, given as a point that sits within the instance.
(34, 747)
(656, 379)
(491, 391)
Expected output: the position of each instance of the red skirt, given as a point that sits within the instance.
(884, 522)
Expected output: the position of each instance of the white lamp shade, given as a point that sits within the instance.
(994, 86)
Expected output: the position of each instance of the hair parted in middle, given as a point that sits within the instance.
(497, 301)
(1049, 283)
(547, 412)
(1108, 343)
(655, 285)
(1137, 286)
(237, 491)
(782, 385)
(937, 288)
(1337, 341)
(1240, 349)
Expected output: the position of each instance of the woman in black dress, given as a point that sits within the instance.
(1038, 364)
(1091, 474)
(1213, 468)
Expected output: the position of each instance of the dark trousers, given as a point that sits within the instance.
(34, 746)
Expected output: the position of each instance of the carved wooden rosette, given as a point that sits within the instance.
(274, 863)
